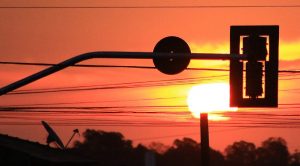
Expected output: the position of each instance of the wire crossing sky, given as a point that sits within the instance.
(151, 7)
(131, 96)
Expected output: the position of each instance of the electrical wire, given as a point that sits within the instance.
(238, 120)
(90, 87)
(141, 84)
(122, 66)
(151, 7)
(285, 121)
(92, 102)
(100, 66)
(145, 84)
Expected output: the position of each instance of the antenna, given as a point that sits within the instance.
(52, 137)
(75, 131)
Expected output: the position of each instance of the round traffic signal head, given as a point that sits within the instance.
(174, 64)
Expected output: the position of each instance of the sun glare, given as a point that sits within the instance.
(210, 98)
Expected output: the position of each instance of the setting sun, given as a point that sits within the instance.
(209, 98)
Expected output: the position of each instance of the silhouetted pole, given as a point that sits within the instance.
(127, 55)
(76, 131)
(204, 139)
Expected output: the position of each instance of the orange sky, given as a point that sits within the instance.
(52, 35)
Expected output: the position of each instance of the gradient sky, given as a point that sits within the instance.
(53, 35)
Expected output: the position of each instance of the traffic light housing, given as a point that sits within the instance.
(254, 80)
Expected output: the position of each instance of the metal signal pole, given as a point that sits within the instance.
(204, 139)
(172, 55)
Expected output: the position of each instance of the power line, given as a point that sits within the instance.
(151, 7)
(91, 102)
(76, 65)
(127, 83)
(182, 135)
(122, 66)
(240, 120)
(115, 86)
(145, 84)
(139, 109)
(98, 66)
(140, 84)
(151, 124)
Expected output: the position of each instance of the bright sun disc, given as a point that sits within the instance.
(209, 98)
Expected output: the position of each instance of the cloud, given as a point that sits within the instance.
(209, 47)
(289, 50)
(289, 64)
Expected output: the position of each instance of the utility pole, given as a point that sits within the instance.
(204, 139)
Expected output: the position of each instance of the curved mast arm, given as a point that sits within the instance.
(128, 55)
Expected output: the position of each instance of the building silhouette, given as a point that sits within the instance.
(19, 152)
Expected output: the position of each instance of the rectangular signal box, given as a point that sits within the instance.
(254, 81)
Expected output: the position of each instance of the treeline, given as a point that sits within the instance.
(112, 149)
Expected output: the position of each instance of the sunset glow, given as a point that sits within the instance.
(131, 96)
(210, 98)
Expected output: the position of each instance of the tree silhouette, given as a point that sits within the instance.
(187, 152)
(158, 147)
(240, 153)
(108, 148)
(112, 149)
(294, 159)
(183, 152)
(273, 152)
(137, 157)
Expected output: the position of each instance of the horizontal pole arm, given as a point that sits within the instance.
(128, 55)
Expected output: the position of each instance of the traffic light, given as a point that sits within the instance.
(255, 47)
(254, 81)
